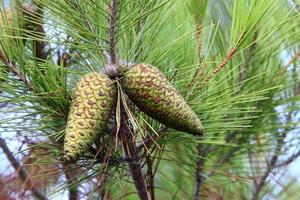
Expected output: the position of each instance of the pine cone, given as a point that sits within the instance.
(150, 90)
(91, 107)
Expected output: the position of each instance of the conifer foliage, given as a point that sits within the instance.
(149, 99)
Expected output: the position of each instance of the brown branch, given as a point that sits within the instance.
(222, 160)
(149, 140)
(293, 59)
(131, 154)
(4, 193)
(219, 67)
(71, 181)
(288, 161)
(204, 151)
(297, 89)
(199, 171)
(249, 56)
(198, 34)
(114, 14)
(260, 183)
(41, 53)
(150, 175)
(33, 14)
(13, 67)
(227, 58)
(23, 175)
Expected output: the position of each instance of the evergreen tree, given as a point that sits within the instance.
(233, 64)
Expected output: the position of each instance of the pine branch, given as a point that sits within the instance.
(228, 138)
(202, 151)
(131, 154)
(13, 67)
(223, 159)
(150, 175)
(41, 52)
(149, 140)
(288, 161)
(224, 62)
(260, 183)
(198, 34)
(294, 59)
(249, 56)
(24, 176)
(199, 12)
(114, 9)
(220, 66)
(70, 175)
(35, 14)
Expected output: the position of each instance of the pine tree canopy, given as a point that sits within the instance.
(150, 99)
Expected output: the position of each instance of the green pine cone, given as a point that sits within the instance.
(90, 110)
(150, 90)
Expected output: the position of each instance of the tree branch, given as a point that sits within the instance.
(223, 159)
(289, 160)
(199, 171)
(70, 175)
(21, 171)
(249, 56)
(293, 59)
(35, 15)
(114, 6)
(150, 175)
(41, 53)
(220, 66)
(224, 62)
(272, 163)
(12, 67)
(149, 140)
(131, 154)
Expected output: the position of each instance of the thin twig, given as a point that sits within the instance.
(260, 183)
(288, 161)
(150, 175)
(12, 66)
(21, 171)
(202, 151)
(114, 10)
(248, 59)
(71, 182)
(35, 14)
(149, 140)
(293, 59)
(131, 154)
(198, 33)
(219, 67)
(222, 160)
